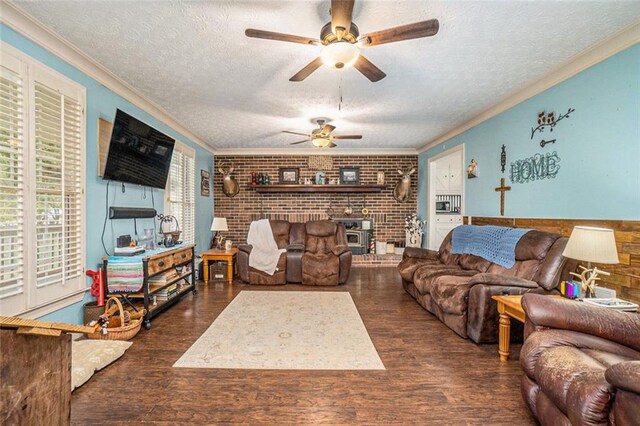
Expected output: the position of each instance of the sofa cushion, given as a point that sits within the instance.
(424, 278)
(280, 230)
(450, 293)
(522, 269)
(408, 266)
(262, 278)
(475, 263)
(535, 245)
(320, 269)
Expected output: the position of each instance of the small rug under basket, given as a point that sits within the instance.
(286, 330)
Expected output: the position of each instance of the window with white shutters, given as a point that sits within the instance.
(11, 180)
(180, 193)
(41, 185)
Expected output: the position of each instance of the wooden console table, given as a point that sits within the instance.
(223, 255)
(156, 262)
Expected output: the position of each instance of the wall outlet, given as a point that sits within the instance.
(605, 293)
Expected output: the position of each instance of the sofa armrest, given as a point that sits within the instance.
(554, 312)
(625, 375)
(245, 248)
(339, 249)
(295, 247)
(420, 253)
(502, 280)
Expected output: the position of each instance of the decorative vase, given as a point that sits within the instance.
(413, 239)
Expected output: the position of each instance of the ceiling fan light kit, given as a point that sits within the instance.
(340, 54)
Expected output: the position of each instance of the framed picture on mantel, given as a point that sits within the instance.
(349, 175)
(289, 175)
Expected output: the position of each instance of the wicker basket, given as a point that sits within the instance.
(125, 332)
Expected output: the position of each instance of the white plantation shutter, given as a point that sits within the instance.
(181, 191)
(11, 183)
(41, 185)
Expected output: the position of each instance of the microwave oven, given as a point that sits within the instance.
(443, 206)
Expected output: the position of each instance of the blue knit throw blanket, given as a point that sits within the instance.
(494, 243)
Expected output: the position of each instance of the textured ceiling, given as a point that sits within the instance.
(193, 59)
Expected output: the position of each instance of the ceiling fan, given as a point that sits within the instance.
(342, 41)
(321, 137)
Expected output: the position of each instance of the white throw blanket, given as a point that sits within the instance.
(265, 252)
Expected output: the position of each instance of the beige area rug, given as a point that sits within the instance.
(286, 330)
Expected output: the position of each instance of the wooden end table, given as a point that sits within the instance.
(509, 306)
(225, 255)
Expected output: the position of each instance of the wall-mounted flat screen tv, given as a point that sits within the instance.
(138, 153)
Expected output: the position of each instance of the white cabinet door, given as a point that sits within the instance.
(442, 176)
(455, 173)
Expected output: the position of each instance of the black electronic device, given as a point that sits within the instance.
(138, 153)
(131, 213)
(124, 241)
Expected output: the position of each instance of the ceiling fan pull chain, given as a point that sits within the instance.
(340, 95)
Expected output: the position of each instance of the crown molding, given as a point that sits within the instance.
(34, 30)
(287, 152)
(620, 41)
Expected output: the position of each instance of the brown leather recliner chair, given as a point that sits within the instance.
(285, 237)
(581, 363)
(327, 258)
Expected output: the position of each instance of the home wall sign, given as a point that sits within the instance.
(503, 158)
(548, 120)
(320, 162)
(538, 167)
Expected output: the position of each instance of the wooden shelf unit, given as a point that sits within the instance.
(317, 188)
(157, 264)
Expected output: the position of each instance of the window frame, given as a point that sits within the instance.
(32, 71)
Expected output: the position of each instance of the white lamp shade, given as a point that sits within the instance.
(219, 224)
(592, 245)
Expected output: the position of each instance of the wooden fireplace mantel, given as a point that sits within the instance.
(317, 188)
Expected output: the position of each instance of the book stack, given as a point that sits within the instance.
(164, 277)
(167, 293)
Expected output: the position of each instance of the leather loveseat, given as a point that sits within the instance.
(458, 288)
(317, 254)
(581, 363)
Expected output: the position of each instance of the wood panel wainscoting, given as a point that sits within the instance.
(625, 276)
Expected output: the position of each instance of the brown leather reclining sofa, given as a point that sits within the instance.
(317, 254)
(581, 363)
(458, 288)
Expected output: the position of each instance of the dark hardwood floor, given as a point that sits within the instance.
(432, 376)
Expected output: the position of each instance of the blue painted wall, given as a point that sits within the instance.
(102, 103)
(599, 148)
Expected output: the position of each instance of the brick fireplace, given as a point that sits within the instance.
(248, 205)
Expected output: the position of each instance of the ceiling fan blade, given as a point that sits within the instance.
(270, 35)
(341, 11)
(331, 145)
(295, 133)
(403, 32)
(369, 70)
(327, 128)
(347, 137)
(307, 70)
(296, 143)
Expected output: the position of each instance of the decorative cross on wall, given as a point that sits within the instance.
(502, 190)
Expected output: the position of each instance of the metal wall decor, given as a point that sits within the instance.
(320, 162)
(538, 167)
(549, 120)
(204, 183)
(503, 158)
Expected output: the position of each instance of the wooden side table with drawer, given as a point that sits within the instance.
(228, 256)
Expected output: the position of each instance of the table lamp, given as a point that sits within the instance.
(591, 245)
(219, 224)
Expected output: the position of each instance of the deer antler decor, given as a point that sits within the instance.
(589, 278)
